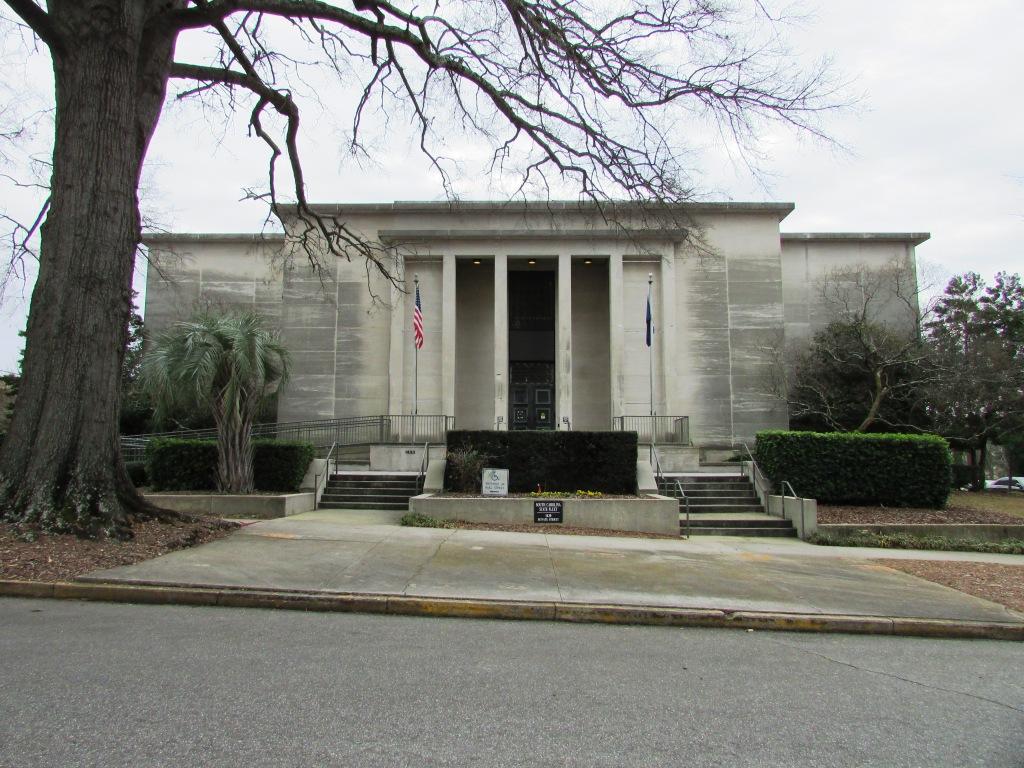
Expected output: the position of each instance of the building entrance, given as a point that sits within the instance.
(531, 349)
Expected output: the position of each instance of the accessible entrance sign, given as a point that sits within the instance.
(547, 511)
(494, 482)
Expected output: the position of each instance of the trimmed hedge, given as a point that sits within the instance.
(857, 468)
(173, 464)
(280, 465)
(555, 461)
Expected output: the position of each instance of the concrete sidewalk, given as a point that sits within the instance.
(340, 552)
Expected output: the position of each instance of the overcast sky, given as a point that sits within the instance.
(935, 145)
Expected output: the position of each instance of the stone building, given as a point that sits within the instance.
(534, 314)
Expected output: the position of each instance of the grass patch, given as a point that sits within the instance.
(909, 541)
(1012, 503)
(416, 520)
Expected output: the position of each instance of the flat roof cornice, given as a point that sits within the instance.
(913, 238)
(158, 238)
(780, 210)
(424, 235)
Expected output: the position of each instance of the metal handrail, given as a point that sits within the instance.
(686, 499)
(784, 484)
(316, 477)
(659, 474)
(753, 461)
(351, 430)
(655, 429)
(758, 474)
(421, 478)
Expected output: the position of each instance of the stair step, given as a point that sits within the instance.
(697, 509)
(346, 488)
(361, 505)
(765, 532)
(738, 490)
(696, 520)
(708, 478)
(345, 498)
(737, 499)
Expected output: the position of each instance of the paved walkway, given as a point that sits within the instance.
(367, 552)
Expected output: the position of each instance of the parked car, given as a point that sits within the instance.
(1005, 483)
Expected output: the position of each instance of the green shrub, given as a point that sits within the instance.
(857, 468)
(280, 466)
(416, 520)
(173, 464)
(466, 466)
(554, 461)
(137, 472)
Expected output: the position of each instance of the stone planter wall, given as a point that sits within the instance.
(260, 506)
(650, 513)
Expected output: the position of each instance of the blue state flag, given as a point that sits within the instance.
(650, 321)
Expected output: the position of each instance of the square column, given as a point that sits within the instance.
(668, 374)
(501, 341)
(563, 342)
(448, 334)
(396, 354)
(615, 333)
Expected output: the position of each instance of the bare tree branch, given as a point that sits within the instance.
(39, 21)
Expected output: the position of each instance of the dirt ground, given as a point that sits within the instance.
(983, 507)
(63, 557)
(1003, 584)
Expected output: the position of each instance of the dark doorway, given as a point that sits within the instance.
(531, 349)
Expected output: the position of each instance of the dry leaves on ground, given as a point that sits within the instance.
(1003, 584)
(956, 515)
(63, 557)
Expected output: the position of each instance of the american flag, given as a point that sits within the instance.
(417, 321)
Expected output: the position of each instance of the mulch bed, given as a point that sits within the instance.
(569, 531)
(63, 557)
(954, 515)
(1003, 584)
(528, 495)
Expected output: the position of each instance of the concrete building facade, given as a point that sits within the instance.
(534, 313)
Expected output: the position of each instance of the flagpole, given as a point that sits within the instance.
(416, 368)
(650, 349)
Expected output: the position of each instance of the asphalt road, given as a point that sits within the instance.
(89, 684)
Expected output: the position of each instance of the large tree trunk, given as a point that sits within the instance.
(60, 466)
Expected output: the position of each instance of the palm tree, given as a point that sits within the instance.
(227, 363)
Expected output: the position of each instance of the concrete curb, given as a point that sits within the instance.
(511, 609)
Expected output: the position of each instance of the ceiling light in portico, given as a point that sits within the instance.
(476, 261)
(587, 261)
(531, 262)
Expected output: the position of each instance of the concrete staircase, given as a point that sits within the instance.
(723, 504)
(370, 490)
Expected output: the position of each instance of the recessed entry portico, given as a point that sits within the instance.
(545, 325)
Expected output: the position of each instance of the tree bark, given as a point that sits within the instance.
(235, 451)
(876, 401)
(60, 466)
